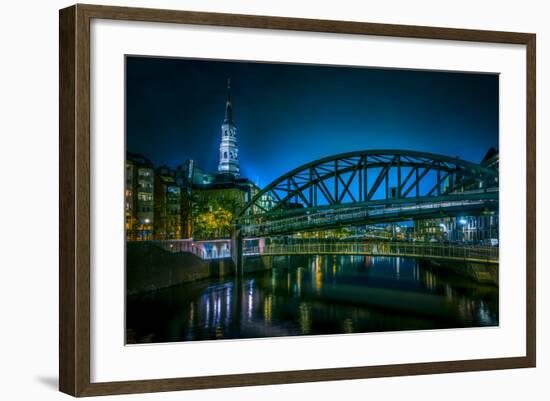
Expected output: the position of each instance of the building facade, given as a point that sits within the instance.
(168, 203)
(467, 229)
(482, 229)
(139, 197)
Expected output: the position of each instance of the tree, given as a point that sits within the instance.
(213, 218)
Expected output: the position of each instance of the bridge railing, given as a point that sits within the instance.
(215, 249)
(468, 253)
(344, 215)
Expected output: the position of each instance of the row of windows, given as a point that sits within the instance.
(145, 185)
(145, 173)
(148, 209)
(145, 197)
(148, 197)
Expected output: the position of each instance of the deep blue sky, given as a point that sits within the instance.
(288, 114)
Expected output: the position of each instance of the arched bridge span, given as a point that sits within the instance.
(367, 187)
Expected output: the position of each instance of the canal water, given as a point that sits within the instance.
(311, 295)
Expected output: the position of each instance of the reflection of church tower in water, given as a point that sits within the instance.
(229, 161)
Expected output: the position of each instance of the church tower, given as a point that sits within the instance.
(229, 161)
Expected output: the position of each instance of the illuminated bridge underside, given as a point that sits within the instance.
(326, 219)
(464, 254)
(370, 187)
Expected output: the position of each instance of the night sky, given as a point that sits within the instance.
(288, 114)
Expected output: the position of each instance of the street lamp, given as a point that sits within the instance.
(146, 221)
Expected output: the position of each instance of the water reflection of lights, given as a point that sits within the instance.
(318, 262)
(431, 280)
(318, 274)
(348, 325)
(288, 280)
(304, 318)
(219, 332)
(217, 310)
(483, 313)
(416, 272)
(273, 279)
(397, 267)
(268, 308)
(250, 304)
(228, 307)
(318, 280)
(190, 320)
(206, 302)
(465, 308)
(368, 261)
(299, 278)
(228, 298)
(448, 292)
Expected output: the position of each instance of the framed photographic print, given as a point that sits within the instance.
(250, 200)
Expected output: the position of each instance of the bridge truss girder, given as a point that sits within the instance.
(369, 177)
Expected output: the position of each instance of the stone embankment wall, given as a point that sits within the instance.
(150, 268)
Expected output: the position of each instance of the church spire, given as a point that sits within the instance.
(229, 153)
(228, 106)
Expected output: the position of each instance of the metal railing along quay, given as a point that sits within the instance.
(218, 249)
(213, 249)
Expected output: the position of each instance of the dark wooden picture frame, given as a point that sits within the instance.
(74, 205)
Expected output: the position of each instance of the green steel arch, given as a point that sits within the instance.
(370, 177)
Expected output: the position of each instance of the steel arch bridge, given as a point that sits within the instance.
(369, 186)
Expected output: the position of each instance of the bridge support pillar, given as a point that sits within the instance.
(237, 252)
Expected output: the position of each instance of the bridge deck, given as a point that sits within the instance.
(365, 215)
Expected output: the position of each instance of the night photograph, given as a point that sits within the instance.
(272, 199)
